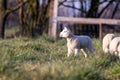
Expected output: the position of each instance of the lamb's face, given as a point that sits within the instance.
(65, 33)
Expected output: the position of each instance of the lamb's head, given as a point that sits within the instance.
(65, 33)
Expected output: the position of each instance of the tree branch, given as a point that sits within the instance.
(103, 1)
(74, 8)
(61, 3)
(8, 11)
(115, 10)
(110, 2)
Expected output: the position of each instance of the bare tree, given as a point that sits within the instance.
(109, 3)
(4, 12)
(116, 7)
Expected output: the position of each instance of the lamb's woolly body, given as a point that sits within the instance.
(106, 41)
(118, 48)
(115, 46)
(75, 43)
(79, 42)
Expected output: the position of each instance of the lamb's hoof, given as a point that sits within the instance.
(86, 56)
(68, 55)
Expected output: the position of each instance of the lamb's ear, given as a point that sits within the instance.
(67, 28)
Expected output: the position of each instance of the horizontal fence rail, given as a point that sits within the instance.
(88, 20)
(97, 21)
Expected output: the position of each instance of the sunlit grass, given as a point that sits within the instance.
(45, 59)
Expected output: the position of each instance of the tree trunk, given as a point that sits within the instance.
(4, 12)
(33, 8)
(2, 24)
(21, 16)
(92, 13)
(3, 16)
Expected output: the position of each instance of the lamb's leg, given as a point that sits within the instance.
(85, 52)
(91, 50)
(90, 46)
(76, 51)
(69, 52)
(119, 55)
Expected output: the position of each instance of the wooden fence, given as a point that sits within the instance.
(54, 19)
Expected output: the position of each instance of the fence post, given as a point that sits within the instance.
(100, 31)
(53, 20)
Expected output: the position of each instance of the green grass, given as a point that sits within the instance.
(45, 59)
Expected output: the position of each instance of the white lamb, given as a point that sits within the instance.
(106, 41)
(75, 43)
(114, 47)
(118, 50)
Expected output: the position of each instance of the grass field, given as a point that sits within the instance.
(45, 59)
